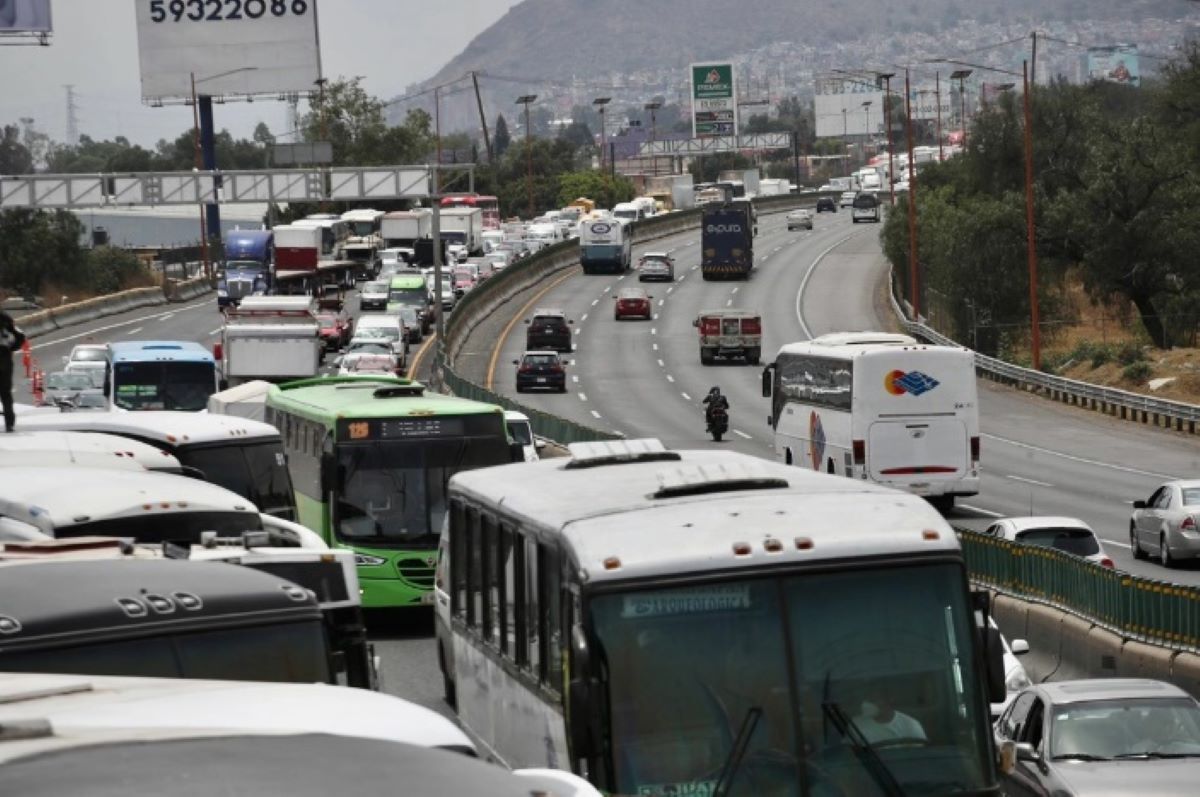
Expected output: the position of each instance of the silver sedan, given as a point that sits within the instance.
(1167, 524)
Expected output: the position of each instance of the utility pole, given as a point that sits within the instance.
(938, 97)
(1033, 60)
(961, 76)
(1030, 229)
(886, 77)
(526, 100)
(914, 283)
(600, 102)
(198, 165)
(487, 141)
(437, 126)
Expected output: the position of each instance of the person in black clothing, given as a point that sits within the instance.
(714, 400)
(11, 339)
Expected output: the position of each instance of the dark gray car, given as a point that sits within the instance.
(1110, 736)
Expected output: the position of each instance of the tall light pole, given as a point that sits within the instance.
(200, 139)
(886, 77)
(652, 107)
(437, 133)
(526, 99)
(961, 76)
(866, 106)
(600, 102)
(938, 100)
(914, 285)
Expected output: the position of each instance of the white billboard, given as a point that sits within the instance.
(232, 47)
(839, 107)
(924, 100)
(25, 16)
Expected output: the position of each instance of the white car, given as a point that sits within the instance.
(88, 357)
(1015, 677)
(1066, 534)
(847, 199)
(1165, 524)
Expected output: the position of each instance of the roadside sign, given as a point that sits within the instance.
(714, 100)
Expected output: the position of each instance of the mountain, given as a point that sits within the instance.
(553, 40)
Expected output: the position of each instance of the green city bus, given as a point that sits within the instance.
(371, 458)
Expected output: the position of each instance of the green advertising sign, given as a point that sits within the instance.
(714, 100)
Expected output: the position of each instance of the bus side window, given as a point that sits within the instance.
(516, 580)
(458, 559)
(533, 598)
(473, 544)
(551, 632)
(488, 540)
(501, 563)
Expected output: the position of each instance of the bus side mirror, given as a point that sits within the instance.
(328, 473)
(516, 452)
(582, 698)
(768, 379)
(994, 649)
(223, 384)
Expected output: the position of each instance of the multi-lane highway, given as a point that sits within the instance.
(644, 378)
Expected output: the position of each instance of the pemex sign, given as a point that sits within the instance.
(714, 100)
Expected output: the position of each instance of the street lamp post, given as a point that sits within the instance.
(866, 106)
(600, 102)
(914, 285)
(938, 101)
(652, 107)
(526, 99)
(205, 158)
(886, 77)
(961, 75)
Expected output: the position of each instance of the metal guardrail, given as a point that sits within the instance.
(1144, 609)
(1122, 404)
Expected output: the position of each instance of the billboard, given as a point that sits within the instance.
(1117, 64)
(232, 48)
(714, 100)
(25, 16)
(839, 110)
(925, 102)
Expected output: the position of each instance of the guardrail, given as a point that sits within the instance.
(1083, 620)
(1122, 404)
(478, 304)
(40, 323)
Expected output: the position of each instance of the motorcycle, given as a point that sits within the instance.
(718, 423)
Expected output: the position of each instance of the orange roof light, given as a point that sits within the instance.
(773, 545)
(930, 534)
(612, 563)
(741, 549)
(804, 544)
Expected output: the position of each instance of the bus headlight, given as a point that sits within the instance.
(363, 560)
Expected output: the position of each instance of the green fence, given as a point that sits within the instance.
(1145, 609)
(551, 427)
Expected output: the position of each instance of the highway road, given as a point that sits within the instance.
(644, 378)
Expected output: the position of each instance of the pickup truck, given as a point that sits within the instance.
(729, 333)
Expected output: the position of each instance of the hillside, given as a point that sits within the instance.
(555, 39)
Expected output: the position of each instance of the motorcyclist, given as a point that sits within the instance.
(714, 400)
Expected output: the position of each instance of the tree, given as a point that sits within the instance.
(354, 122)
(578, 135)
(38, 248)
(502, 139)
(594, 185)
(15, 157)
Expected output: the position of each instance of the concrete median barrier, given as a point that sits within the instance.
(1011, 615)
(68, 315)
(1104, 651)
(1075, 659)
(1044, 634)
(1140, 660)
(1185, 672)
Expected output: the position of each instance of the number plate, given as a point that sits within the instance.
(541, 380)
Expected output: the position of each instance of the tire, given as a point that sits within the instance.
(520, 389)
(1164, 552)
(706, 357)
(942, 503)
(1135, 547)
(716, 435)
(753, 355)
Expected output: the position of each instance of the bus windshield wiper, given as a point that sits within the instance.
(738, 753)
(867, 756)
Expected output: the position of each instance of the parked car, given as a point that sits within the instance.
(1103, 736)
(336, 330)
(847, 199)
(1165, 524)
(541, 370)
(1066, 534)
(373, 296)
(633, 303)
(826, 204)
(800, 219)
(656, 266)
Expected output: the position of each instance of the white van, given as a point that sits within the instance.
(383, 325)
(629, 211)
(520, 430)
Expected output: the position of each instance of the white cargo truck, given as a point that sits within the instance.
(403, 228)
(464, 226)
(274, 338)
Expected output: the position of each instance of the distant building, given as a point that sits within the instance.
(164, 226)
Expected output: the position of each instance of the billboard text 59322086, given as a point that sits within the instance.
(230, 47)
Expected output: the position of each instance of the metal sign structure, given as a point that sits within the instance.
(714, 100)
(314, 153)
(712, 144)
(50, 191)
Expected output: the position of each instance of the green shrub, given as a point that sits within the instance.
(1130, 353)
(1136, 372)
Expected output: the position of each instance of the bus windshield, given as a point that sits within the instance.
(256, 471)
(849, 682)
(163, 385)
(395, 493)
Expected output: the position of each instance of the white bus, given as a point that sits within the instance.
(878, 407)
(240, 454)
(659, 621)
(25, 449)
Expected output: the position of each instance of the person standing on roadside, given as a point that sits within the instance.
(11, 340)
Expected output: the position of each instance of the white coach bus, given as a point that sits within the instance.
(704, 622)
(879, 407)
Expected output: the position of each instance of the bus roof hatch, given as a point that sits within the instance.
(615, 452)
(716, 478)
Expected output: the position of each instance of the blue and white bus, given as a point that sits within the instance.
(161, 375)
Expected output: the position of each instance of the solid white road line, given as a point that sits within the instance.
(740, 433)
(984, 512)
(1083, 460)
(1034, 482)
(812, 267)
(135, 331)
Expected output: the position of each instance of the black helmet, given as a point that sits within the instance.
(716, 391)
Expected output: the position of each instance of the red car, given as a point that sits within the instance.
(633, 303)
(336, 330)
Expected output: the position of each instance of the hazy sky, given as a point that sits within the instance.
(392, 43)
